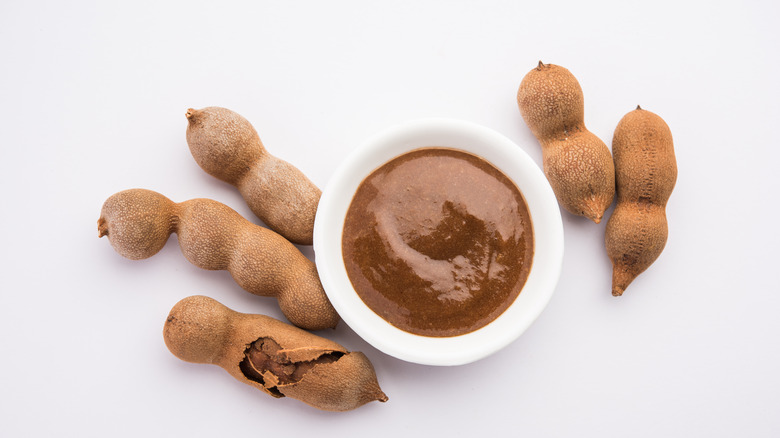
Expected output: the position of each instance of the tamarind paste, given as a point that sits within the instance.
(438, 242)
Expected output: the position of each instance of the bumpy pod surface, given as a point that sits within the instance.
(226, 146)
(270, 355)
(646, 174)
(213, 236)
(577, 164)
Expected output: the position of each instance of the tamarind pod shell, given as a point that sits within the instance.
(138, 222)
(576, 162)
(226, 146)
(323, 386)
(573, 167)
(213, 236)
(635, 237)
(646, 173)
(199, 329)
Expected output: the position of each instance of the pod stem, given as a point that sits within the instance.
(190, 113)
(102, 227)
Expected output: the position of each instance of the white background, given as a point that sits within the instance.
(92, 101)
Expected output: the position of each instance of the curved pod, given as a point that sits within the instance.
(227, 147)
(646, 171)
(277, 358)
(213, 236)
(577, 164)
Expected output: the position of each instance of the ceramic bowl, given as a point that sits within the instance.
(501, 153)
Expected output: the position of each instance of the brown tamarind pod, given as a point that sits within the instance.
(275, 357)
(646, 172)
(213, 236)
(577, 164)
(227, 147)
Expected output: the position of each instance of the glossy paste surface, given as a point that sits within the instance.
(438, 242)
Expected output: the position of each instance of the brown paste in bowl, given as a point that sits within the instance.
(438, 242)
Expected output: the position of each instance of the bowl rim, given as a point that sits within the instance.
(502, 153)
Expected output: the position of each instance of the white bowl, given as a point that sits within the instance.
(501, 153)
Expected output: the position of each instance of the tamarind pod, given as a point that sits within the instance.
(577, 163)
(277, 358)
(213, 236)
(646, 173)
(227, 147)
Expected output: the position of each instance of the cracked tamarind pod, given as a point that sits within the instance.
(227, 147)
(265, 353)
(577, 164)
(213, 236)
(646, 174)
